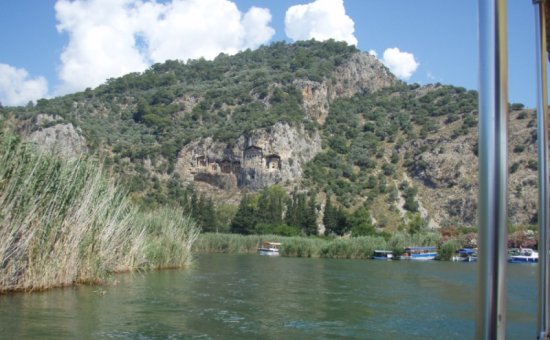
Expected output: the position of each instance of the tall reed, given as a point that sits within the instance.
(64, 222)
(301, 246)
(170, 236)
(232, 243)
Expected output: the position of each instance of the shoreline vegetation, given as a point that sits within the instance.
(65, 222)
(310, 246)
(361, 247)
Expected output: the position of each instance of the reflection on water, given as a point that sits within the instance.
(250, 296)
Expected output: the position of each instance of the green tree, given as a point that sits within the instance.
(225, 214)
(309, 224)
(206, 215)
(330, 217)
(245, 219)
(410, 201)
(271, 205)
(416, 224)
(361, 223)
(335, 220)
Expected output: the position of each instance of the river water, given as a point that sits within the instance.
(250, 296)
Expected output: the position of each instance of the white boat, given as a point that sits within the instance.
(419, 253)
(269, 248)
(523, 255)
(383, 255)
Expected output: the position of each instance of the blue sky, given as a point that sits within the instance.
(53, 47)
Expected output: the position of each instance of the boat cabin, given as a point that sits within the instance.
(420, 253)
(465, 255)
(382, 255)
(269, 248)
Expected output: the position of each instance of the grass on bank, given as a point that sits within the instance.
(64, 222)
(343, 248)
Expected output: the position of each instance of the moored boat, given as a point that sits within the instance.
(465, 255)
(269, 248)
(383, 255)
(523, 255)
(419, 253)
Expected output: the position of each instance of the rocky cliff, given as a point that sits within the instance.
(53, 135)
(447, 174)
(223, 165)
(361, 74)
(254, 161)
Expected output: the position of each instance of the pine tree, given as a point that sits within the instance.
(245, 220)
(361, 223)
(271, 205)
(310, 221)
(342, 222)
(207, 214)
(291, 213)
(330, 218)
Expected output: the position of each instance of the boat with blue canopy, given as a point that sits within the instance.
(420, 253)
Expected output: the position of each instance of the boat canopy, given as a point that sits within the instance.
(429, 248)
(271, 243)
(466, 251)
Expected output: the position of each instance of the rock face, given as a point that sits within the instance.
(448, 172)
(277, 155)
(362, 73)
(254, 161)
(448, 176)
(59, 138)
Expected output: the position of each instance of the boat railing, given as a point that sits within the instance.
(493, 167)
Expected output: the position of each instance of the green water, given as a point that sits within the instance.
(251, 296)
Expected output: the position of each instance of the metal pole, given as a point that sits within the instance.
(493, 169)
(542, 144)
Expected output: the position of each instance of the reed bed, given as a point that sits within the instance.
(170, 236)
(296, 246)
(448, 249)
(303, 246)
(232, 243)
(64, 222)
(354, 248)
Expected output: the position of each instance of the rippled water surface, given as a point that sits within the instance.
(251, 296)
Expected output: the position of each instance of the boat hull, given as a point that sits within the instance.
(384, 255)
(526, 255)
(465, 258)
(420, 257)
(522, 259)
(384, 258)
(268, 252)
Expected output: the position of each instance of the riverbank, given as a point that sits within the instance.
(64, 222)
(322, 247)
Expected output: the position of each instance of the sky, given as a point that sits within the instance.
(50, 48)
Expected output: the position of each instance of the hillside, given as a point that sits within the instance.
(322, 118)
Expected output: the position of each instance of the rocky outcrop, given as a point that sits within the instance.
(362, 73)
(254, 161)
(57, 137)
(447, 175)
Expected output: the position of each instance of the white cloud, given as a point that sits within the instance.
(17, 88)
(320, 20)
(373, 52)
(109, 38)
(402, 64)
(101, 42)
